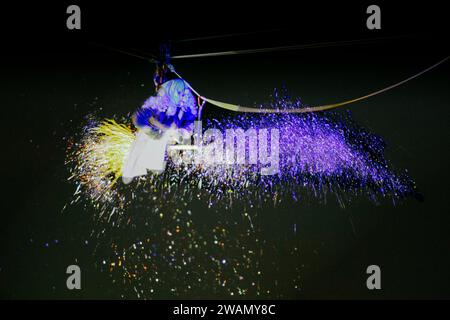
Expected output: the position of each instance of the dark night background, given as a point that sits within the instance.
(51, 78)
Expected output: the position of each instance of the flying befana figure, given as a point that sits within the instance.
(167, 116)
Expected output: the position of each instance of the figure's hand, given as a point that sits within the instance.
(158, 124)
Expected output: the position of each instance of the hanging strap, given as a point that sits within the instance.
(237, 108)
